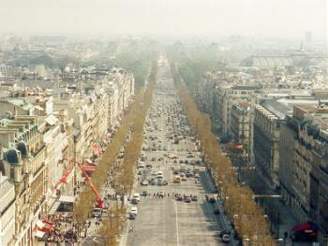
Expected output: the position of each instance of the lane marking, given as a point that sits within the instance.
(176, 222)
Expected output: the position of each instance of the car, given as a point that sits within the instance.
(189, 174)
(164, 182)
(194, 198)
(144, 193)
(178, 197)
(225, 236)
(210, 198)
(141, 166)
(149, 165)
(183, 178)
(134, 210)
(135, 198)
(132, 216)
(96, 212)
(144, 182)
(187, 199)
(177, 179)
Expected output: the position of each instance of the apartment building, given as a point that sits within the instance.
(304, 152)
(241, 125)
(24, 164)
(7, 211)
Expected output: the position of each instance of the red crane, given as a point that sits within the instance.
(99, 200)
(63, 179)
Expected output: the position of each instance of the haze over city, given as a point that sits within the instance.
(273, 18)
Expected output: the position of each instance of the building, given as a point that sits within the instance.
(304, 166)
(267, 119)
(24, 156)
(241, 125)
(7, 209)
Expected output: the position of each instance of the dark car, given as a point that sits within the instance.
(189, 174)
(187, 199)
(194, 198)
(132, 216)
(178, 197)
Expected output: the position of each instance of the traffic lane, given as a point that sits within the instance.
(155, 223)
(202, 229)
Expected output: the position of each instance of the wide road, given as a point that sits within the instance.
(169, 145)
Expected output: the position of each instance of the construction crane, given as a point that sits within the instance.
(84, 169)
(99, 200)
(63, 179)
(96, 149)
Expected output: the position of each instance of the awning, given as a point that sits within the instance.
(68, 199)
(39, 234)
(89, 168)
(40, 224)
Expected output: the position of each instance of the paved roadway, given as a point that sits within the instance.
(165, 221)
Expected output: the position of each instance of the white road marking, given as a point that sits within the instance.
(176, 222)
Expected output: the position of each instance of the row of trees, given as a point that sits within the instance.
(247, 217)
(132, 125)
(114, 224)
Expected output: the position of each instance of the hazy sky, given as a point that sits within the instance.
(287, 18)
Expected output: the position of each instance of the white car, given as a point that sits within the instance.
(134, 210)
(136, 196)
